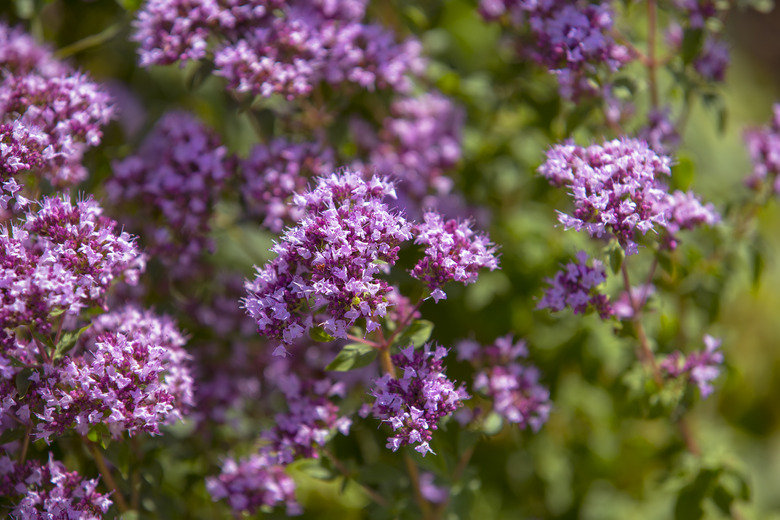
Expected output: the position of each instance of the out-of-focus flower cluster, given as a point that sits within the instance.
(274, 172)
(414, 403)
(168, 190)
(282, 47)
(37, 490)
(49, 114)
(572, 39)
(252, 483)
(764, 147)
(701, 367)
(712, 59)
(418, 143)
(577, 286)
(617, 190)
(513, 387)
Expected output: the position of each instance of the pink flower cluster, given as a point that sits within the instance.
(512, 386)
(414, 403)
(577, 286)
(617, 190)
(700, 367)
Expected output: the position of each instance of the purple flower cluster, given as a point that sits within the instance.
(63, 257)
(119, 383)
(617, 191)
(453, 252)
(696, 12)
(274, 172)
(577, 286)
(700, 367)
(571, 39)
(417, 144)
(764, 147)
(279, 47)
(253, 483)
(414, 403)
(20, 54)
(513, 387)
(160, 331)
(329, 262)
(169, 189)
(310, 421)
(49, 491)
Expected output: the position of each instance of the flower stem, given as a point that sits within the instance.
(651, 63)
(646, 351)
(121, 504)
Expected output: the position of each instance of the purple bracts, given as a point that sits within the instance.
(701, 367)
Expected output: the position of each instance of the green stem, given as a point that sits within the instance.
(651, 63)
(91, 41)
(108, 478)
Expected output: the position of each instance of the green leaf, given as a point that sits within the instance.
(43, 340)
(23, 381)
(68, 341)
(689, 502)
(319, 334)
(693, 40)
(312, 468)
(578, 116)
(131, 6)
(354, 355)
(758, 253)
(417, 333)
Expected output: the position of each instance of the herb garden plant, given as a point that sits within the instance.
(341, 258)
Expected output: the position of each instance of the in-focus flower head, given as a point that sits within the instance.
(413, 403)
(62, 257)
(453, 252)
(49, 490)
(618, 191)
(513, 387)
(577, 286)
(326, 268)
(62, 115)
(119, 383)
(701, 367)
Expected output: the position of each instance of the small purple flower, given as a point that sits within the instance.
(430, 491)
(453, 252)
(617, 191)
(48, 490)
(660, 133)
(513, 387)
(701, 367)
(414, 403)
(63, 116)
(253, 483)
(577, 286)
(713, 60)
